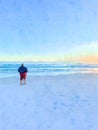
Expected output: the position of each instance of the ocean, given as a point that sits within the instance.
(8, 69)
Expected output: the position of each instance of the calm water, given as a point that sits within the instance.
(8, 69)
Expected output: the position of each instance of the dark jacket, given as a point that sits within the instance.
(22, 69)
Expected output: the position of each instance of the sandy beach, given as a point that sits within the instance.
(64, 102)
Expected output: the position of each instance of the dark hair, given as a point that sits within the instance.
(22, 64)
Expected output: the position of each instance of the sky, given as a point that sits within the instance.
(49, 30)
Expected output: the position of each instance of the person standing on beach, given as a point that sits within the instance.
(23, 73)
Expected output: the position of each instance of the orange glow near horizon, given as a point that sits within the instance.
(75, 59)
(89, 59)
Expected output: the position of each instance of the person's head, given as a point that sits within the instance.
(22, 64)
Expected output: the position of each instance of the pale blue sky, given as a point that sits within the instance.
(46, 27)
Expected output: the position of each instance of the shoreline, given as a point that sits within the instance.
(52, 75)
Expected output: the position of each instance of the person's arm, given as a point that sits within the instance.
(19, 69)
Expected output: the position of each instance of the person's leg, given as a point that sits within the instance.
(24, 78)
(21, 78)
(20, 82)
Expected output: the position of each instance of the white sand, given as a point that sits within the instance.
(67, 102)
